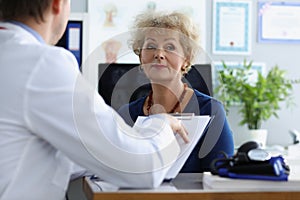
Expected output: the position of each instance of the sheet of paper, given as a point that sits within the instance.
(223, 183)
(195, 127)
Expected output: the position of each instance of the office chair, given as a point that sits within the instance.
(121, 83)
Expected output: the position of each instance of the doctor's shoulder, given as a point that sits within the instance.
(59, 57)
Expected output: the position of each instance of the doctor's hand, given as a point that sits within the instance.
(178, 128)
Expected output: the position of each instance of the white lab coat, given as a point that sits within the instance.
(52, 123)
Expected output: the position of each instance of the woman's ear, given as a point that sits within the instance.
(183, 70)
(185, 66)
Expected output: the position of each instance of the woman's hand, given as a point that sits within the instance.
(178, 128)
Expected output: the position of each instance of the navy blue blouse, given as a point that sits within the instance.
(218, 137)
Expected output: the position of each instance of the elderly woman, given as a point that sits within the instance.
(167, 44)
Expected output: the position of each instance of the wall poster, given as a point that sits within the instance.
(110, 21)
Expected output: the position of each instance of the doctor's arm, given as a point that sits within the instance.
(73, 118)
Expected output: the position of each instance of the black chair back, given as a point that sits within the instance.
(121, 83)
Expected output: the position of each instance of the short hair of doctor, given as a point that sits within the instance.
(19, 9)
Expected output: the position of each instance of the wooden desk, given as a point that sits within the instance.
(186, 186)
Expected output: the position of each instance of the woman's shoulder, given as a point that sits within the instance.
(133, 107)
(203, 96)
(137, 103)
(206, 98)
(129, 112)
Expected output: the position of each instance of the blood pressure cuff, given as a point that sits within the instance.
(273, 169)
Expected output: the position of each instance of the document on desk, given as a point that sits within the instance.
(195, 126)
(224, 183)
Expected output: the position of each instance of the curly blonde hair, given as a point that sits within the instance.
(175, 21)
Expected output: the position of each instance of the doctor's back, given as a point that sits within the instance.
(47, 115)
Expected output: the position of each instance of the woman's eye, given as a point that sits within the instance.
(150, 47)
(170, 47)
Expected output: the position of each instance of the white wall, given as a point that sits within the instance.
(286, 56)
(79, 5)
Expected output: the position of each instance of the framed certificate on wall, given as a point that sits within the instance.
(279, 22)
(255, 68)
(232, 27)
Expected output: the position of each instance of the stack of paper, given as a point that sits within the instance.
(216, 182)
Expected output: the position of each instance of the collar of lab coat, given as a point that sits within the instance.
(18, 26)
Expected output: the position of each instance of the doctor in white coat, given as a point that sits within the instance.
(52, 124)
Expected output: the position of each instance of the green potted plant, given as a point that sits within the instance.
(257, 99)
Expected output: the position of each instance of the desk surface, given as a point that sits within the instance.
(185, 186)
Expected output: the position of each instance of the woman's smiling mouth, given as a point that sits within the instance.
(158, 66)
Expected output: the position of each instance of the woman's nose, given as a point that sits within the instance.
(159, 54)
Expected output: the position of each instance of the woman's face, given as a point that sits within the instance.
(162, 55)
